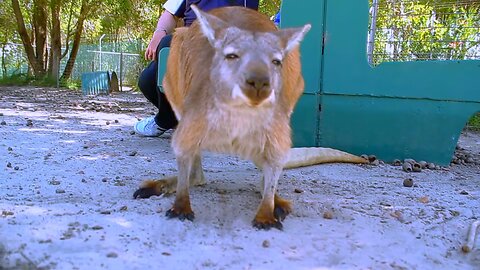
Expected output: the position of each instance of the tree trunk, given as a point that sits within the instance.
(35, 61)
(4, 64)
(84, 10)
(55, 39)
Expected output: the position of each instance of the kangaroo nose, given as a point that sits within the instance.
(258, 82)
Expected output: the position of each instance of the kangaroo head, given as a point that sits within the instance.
(247, 66)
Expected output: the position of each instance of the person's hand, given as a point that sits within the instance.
(152, 46)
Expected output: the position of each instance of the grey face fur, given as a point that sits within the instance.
(247, 66)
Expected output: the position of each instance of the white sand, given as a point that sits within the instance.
(69, 205)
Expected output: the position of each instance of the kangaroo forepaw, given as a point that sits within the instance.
(172, 213)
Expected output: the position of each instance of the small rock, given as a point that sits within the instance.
(84, 180)
(107, 123)
(105, 212)
(424, 199)
(1, 114)
(408, 182)
(7, 213)
(132, 132)
(423, 164)
(407, 166)
(116, 121)
(59, 191)
(166, 253)
(3, 123)
(124, 208)
(376, 162)
(105, 179)
(9, 165)
(409, 160)
(397, 162)
(266, 244)
(297, 190)
(416, 167)
(112, 255)
(463, 192)
(16, 168)
(97, 227)
(10, 149)
(133, 153)
(431, 166)
(29, 123)
(54, 182)
(328, 215)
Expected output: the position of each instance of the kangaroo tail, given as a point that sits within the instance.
(306, 156)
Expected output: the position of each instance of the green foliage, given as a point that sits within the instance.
(71, 84)
(269, 7)
(25, 79)
(424, 30)
(17, 79)
(474, 122)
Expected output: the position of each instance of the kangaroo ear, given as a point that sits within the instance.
(209, 24)
(292, 37)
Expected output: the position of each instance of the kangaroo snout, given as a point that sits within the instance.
(257, 87)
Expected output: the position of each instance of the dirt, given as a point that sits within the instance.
(69, 166)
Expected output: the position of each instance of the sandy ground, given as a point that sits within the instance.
(70, 164)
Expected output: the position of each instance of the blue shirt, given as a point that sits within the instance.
(185, 12)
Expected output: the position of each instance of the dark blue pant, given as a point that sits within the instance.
(147, 82)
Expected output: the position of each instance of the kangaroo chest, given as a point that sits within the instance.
(240, 131)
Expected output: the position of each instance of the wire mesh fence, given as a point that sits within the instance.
(121, 57)
(415, 30)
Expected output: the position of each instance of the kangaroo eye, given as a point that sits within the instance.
(277, 62)
(231, 56)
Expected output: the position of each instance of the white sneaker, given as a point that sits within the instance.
(148, 128)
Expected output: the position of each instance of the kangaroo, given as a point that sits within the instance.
(233, 80)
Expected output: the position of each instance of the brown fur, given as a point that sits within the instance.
(256, 126)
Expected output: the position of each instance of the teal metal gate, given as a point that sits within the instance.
(394, 110)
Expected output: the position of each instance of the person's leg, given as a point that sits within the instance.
(165, 118)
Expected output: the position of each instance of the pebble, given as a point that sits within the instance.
(133, 153)
(266, 244)
(9, 165)
(397, 162)
(124, 208)
(3, 123)
(328, 215)
(97, 227)
(463, 192)
(54, 182)
(297, 190)
(16, 168)
(29, 123)
(60, 191)
(10, 149)
(408, 182)
(112, 255)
